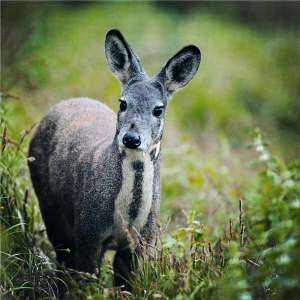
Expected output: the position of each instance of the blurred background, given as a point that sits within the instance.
(249, 77)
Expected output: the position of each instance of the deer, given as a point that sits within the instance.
(96, 173)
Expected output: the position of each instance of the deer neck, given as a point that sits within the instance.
(134, 201)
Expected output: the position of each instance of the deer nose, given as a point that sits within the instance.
(131, 140)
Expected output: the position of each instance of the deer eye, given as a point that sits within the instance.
(157, 111)
(123, 105)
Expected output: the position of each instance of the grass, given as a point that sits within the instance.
(229, 215)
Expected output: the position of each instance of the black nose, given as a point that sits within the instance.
(131, 140)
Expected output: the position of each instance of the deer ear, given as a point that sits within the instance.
(180, 69)
(120, 57)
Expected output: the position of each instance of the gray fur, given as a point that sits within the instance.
(94, 193)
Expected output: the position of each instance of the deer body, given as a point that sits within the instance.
(96, 173)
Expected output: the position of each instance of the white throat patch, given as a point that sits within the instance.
(126, 195)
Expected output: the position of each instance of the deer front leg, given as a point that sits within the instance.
(124, 264)
(92, 227)
(89, 256)
(89, 250)
(126, 259)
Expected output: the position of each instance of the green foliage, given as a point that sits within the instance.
(268, 265)
(276, 225)
(25, 270)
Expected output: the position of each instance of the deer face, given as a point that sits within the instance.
(144, 100)
(141, 116)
